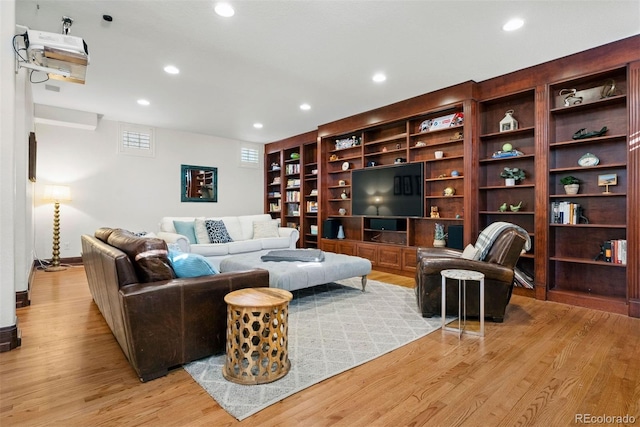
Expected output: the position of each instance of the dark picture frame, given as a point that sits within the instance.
(33, 149)
(198, 184)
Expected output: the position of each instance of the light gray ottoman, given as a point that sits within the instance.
(292, 275)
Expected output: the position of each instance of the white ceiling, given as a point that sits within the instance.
(262, 63)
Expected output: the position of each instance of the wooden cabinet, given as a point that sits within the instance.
(581, 224)
(414, 139)
(291, 185)
(311, 185)
(514, 148)
(552, 102)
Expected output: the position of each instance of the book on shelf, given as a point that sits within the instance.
(274, 207)
(292, 183)
(615, 251)
(293, 196)
(292, 168)
(312, 206)
(565, 213)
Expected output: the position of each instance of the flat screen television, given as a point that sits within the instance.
(388, 191)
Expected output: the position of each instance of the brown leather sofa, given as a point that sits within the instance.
(159, 321)
(497, 267)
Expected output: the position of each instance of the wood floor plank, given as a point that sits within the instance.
(546, 363)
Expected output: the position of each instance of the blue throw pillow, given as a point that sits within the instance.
(187, 229)
(190, 265)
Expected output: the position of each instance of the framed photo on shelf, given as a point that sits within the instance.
(607, 179)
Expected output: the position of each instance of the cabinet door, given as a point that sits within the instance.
(369, 252)
(389, 257)
(409, 259)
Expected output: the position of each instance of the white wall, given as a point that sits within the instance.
(116, 190)
(8, 142)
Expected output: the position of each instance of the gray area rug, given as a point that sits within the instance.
(332, 328)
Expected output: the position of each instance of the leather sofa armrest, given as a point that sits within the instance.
(434, 265)
(182, 241)
(292, 233)
(438, 252)
(168, 323)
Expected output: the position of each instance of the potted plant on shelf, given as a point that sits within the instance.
(511, 175)
(439, 236)
(571, 184)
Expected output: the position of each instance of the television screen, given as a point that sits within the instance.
(388, 191)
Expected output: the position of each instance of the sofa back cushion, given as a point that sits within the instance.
(148, 255)
(238, 227)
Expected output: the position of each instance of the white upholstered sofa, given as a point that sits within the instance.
(249, 233)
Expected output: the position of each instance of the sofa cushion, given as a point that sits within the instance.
(190, 264)
(187, 229)
(209, 249)
(232, 224)
(244, 246)
(148, 255)
(265, 229)
(246, 225)
(275, 243)
(103, 233)
(200, 229)
(217, 231)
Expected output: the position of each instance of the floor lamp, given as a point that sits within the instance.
(57, 193)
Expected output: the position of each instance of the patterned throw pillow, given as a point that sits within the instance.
(217, 231)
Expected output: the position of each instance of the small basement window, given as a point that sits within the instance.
(136, 140)
(249, 157)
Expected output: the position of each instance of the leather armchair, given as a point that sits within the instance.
(497, 267)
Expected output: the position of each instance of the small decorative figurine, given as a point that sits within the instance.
(508, 123)
(503, 207)
(571, 97)
(449, 191)
(516, 208)
(434, 212)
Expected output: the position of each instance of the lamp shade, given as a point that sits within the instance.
(57, 192)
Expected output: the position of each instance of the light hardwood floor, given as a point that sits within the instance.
(544, 365)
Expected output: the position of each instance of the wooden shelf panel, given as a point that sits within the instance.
(432, 132)
(614, 226)
(512, 133)
(617, 99)
(587, 141)
(587, 261)
(503, 159)
(387, 139)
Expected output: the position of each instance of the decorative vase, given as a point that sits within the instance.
(571, 188)
(509, 182)
(439, 243)
(340, 232)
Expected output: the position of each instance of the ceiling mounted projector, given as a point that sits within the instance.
(62, 56)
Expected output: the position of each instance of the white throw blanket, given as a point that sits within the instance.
(489, 235)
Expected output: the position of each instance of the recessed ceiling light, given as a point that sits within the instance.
(225, 10)
(257, 125)
(171, 69)
(379, 77)
(143, 102)
(305, 107)
(513, 24)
